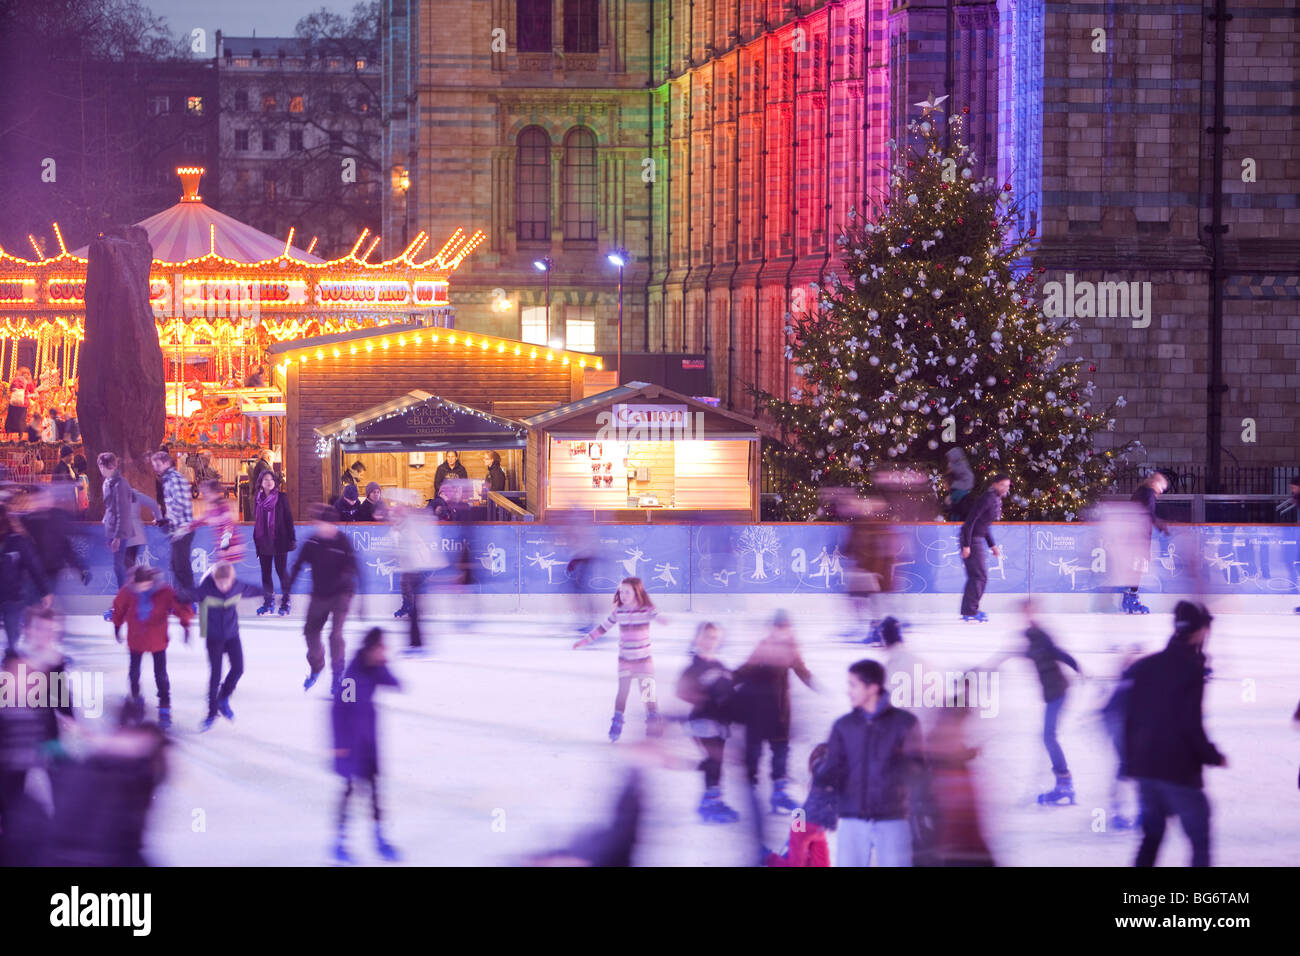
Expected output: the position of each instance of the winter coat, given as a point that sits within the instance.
(369, 511)
(18, 557)
(1047, 658)
(445, 471)
(959, 475)
(979, 521)
(873, 549)
(282, 537)
(122, 505)
(706, 685)
(496, 478)
(1146, 497)
(875, 763)
(762, 700)
(150, 635)
(348, 508)
(356, 737)
(178, 503)
(52, 531)
(219, 610)
(1164, 736)
(808, 847)
(333, 565)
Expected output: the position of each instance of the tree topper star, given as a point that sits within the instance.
(928, 106)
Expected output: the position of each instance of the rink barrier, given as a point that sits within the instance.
(769, 559)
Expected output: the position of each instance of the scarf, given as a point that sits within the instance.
(264, 523)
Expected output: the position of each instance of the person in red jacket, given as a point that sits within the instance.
(145, 606)
(808, 846)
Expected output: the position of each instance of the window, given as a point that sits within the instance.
(268, 141)
(241, 139)
(336, 102)
(533, 26)
(580, 185)
(241, 101)
(363, 104)
(194, 143)
(243, 61)
(194, 105)
(158, 105)
(295, 184)
(580, 328)
(295, 140)
(295, 103)
(533, 185)
(581, 23)
(336, 63)
(361, 63)
(268, 103)
(269, 183)
(532, 325)
(241, 183)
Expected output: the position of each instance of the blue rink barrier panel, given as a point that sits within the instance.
(510, 559)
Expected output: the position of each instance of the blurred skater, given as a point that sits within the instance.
(876, 765)
(415, 530)
(959, 839)
(1145, 498)
(334, 580)
(807, 844)
(356, 737)
(961, 482)
(122, 525)
(219, 514)
(23, 729)
(975, 531)
(51, 528)
(19, 563)
(633, 611)
(1112, 716)
(872, 549)
(706, 685)
(218, 596)
(1164, 735)
(145, 606)
(763, 705)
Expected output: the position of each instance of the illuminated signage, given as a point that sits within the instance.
(18, 290)
(65, 289)
(431, 293)
(364, 291)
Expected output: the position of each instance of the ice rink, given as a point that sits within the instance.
(495, 746)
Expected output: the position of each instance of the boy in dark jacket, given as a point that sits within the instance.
(975, 531)
(334, 576)
(706, 686)
(218, 596)
(1165, 741)
(876, 764)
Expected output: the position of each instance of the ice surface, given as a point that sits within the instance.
(495, 748)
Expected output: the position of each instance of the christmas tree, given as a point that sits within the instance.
(934, 339)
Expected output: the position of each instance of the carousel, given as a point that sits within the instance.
(222, 293)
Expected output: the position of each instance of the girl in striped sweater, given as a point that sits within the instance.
(633, 611)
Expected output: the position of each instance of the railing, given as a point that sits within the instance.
(501, 508)
(1234, 480)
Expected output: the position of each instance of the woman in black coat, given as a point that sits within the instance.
(274, 538)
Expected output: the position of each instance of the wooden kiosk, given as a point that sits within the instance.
(643, 453)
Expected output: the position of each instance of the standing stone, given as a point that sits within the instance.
(120, 401)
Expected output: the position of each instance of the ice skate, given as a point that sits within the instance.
(875, 637)
(414, 652)
(654, 725)
(384, 848)
(403, 611)
(1120, 822)
(341, 855)
(1060, 795)
(781, 801)
(284, 605)
(979, 617)
(713, 810)
(310, 682)
(267, 607)
(164, 717)
(108, 615)
(207, 723)
(223, 708)
(1131, 605)
(616, 727)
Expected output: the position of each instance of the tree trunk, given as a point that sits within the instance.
(121, 397)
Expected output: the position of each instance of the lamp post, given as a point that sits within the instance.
(620, 257)
(545, 264)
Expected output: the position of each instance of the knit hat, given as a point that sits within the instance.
(350, 492)
(373, 486)
(890, 631)
(1189, 617)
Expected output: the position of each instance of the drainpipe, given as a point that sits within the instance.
(690, 167)
(950, 37)
(668, 218)
(794, 213)
(735, 235)
(826, 189)
(1216, 229)
(762, 223)
(713, 185)
(650, 186)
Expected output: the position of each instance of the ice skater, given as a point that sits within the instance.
(706, 686)
(334, 579)
(1164, 736)
(975, 531)
(1047, 659)
(632, 613)
(415, 529)
(356, 736)
(218, 596)
(808, 845)
(763, 705)
(219, 515)
(1145, 497)
(274, 538)
(145, 606)
(1112, 717)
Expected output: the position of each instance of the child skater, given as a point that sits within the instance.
(808, 846)
(356, 735)
(219, 515)
(706, 686)
(218, 596)
(633, 611)
(144, 606)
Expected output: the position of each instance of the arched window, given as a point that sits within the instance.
(533, 185)
(533, 26)
(580, 184)
(581, 26)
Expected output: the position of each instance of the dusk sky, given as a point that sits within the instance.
(240, 17)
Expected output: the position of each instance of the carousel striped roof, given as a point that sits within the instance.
(184, 232)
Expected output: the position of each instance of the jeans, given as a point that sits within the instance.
(713, 748)
(754, 752)
(977, 578)
(159, 676)
(280, 561)
(891, 839)
(217, 689)
(1050, 717)
(1159, 800)
(11, 612)
(124, 559)
(411, 584)
(319, 609)
(182, 570)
